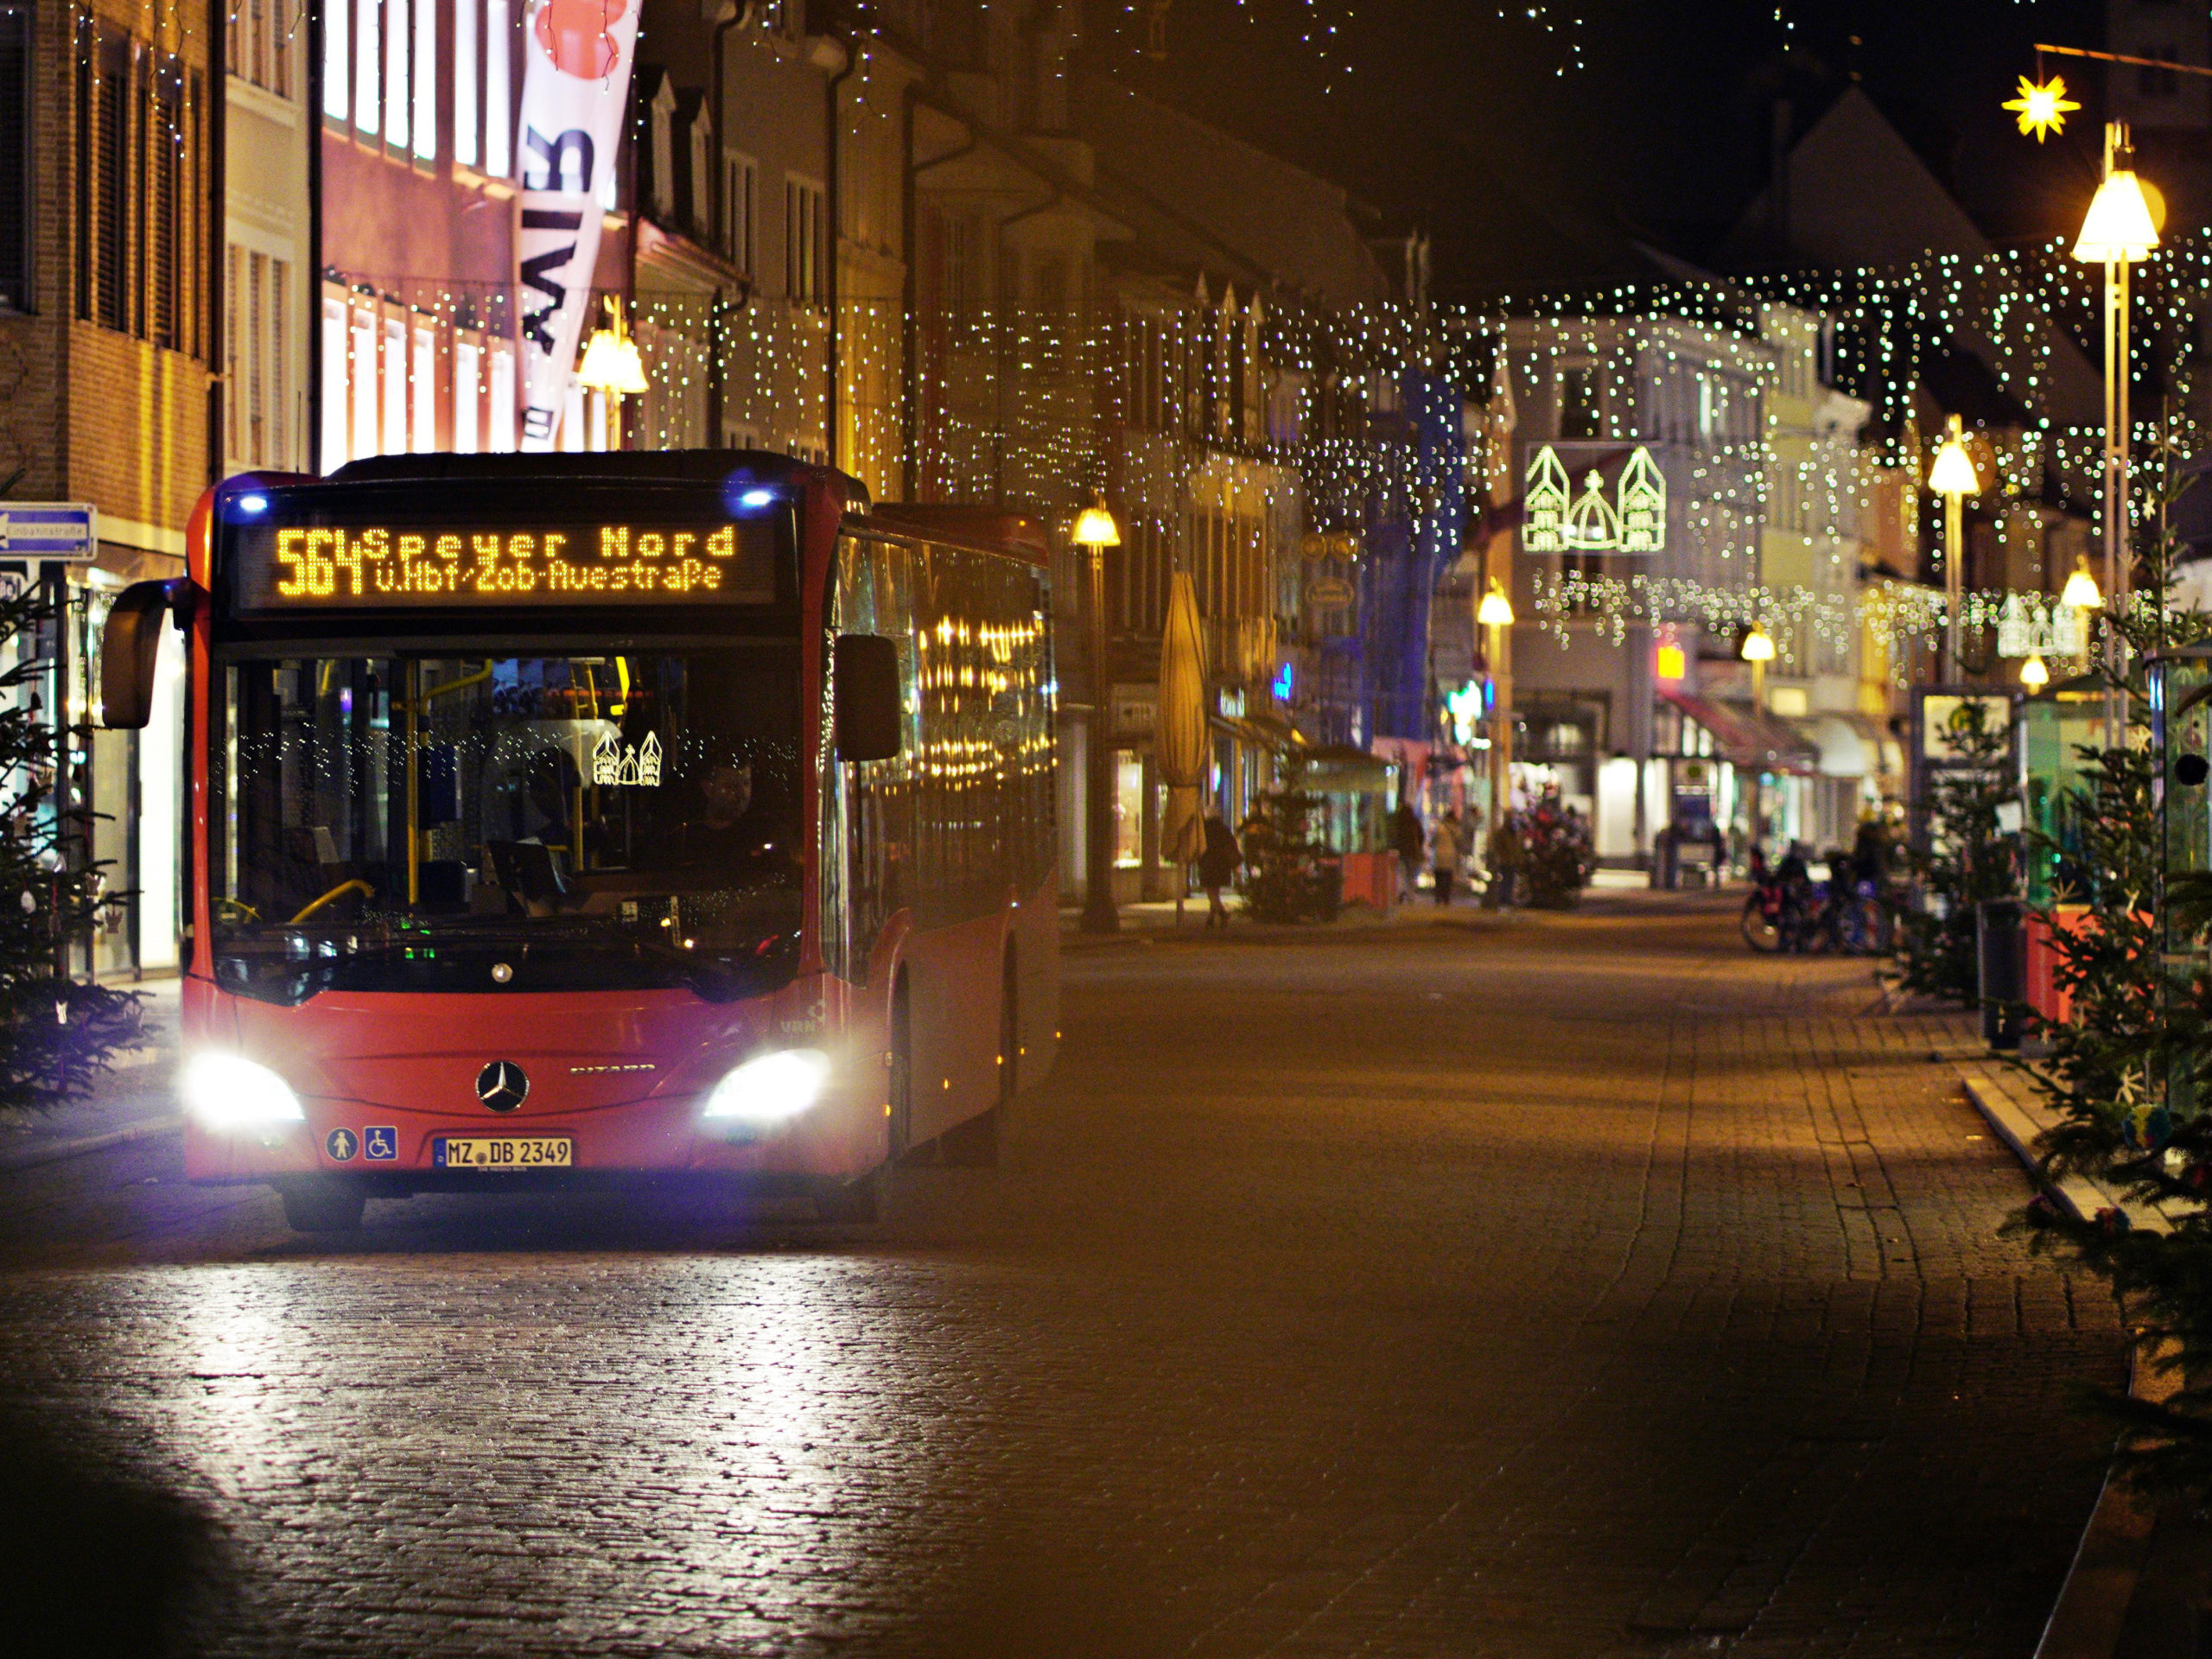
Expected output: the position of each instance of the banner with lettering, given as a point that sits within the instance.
(576, 88)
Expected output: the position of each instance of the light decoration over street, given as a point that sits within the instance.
(1631, 518)
(2042, 107)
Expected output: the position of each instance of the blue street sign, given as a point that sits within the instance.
(48, 530)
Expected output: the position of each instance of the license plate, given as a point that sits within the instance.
(507, 1151)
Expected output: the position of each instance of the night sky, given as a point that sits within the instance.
(1438, 114)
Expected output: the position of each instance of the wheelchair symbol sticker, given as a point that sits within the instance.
(381, 1141)
(341, 1145)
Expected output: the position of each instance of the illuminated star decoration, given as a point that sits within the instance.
(2041, 109)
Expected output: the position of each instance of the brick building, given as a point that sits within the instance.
(110, 125)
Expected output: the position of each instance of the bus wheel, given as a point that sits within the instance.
(322, 1205)
(850, 1201)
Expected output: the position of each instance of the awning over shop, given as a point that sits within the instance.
(1743, 738)
(1259, 732)
(1851, 745)
(1339, 769)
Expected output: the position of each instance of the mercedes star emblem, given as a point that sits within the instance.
(502, 1086)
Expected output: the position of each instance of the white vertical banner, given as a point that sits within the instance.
(576, 88)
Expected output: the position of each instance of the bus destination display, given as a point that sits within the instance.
(369, 565)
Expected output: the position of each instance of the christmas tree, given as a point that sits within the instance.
(2129, 1070)
(1288, 874)
(57, 1033)
(1967, 859)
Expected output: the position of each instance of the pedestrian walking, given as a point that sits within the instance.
(1217, 862)
(1507, 853)
(1406, 837)
(1444, 854)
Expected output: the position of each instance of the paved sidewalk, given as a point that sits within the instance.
(136, 1098)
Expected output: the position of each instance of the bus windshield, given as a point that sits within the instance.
(506, 823)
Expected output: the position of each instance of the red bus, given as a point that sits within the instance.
(573, 819)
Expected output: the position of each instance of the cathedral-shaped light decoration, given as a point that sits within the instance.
(607, 761)
(649, 762)
(1543, 522)
(2042, 107)
(1592, 523)
(1642, 499)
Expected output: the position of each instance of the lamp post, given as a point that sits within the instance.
(611, 363)
(1095, 530)
(2118, 230)
(1951, 476)
(1757, 649)
(1495, 613)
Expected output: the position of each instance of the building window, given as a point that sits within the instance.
(425, 377)
(254, 392)
(334, 383)
(426, 81)
(740, 180)
(467, 394)
(361, 375)
(368, 66)
(394, 79)
(336, 87)
(233, 286)
(465, 25)
(394, 368)
(259, 41)
(499, 123)
(503, 400)
(802, 243)
(166, 140)
(14, 159)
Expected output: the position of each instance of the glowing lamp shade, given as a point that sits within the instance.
(611, 363)
(1672, 662)
(2119, 228)
(2081, 589)
(1094, 526)
(1953, 472)
(2034, 675)
(1497, 610)
(1758, 644)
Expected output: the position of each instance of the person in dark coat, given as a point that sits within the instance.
(1410, 842)
(1217, 862)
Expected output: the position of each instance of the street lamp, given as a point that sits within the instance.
(1095, 528)
(1757, 649)
(611, 363)
(2081, 589)
(2033, 674)
(1952, 477)
(2119, 230)
(1495, 613)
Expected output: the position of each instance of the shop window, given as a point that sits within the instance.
(1128, 808)
(740, 179)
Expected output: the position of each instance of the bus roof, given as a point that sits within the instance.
(986, 527)
(655, 466)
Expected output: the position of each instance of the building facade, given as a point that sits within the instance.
(110, 241)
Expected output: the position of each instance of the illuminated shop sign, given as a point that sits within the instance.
(366, 566)
(1629, 517)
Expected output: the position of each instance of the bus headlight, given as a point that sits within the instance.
(227, 1091)
(770, 1088)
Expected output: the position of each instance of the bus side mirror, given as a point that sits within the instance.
(867, 711)
(129, 646)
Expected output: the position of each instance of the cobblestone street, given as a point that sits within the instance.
(1571, 1285)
